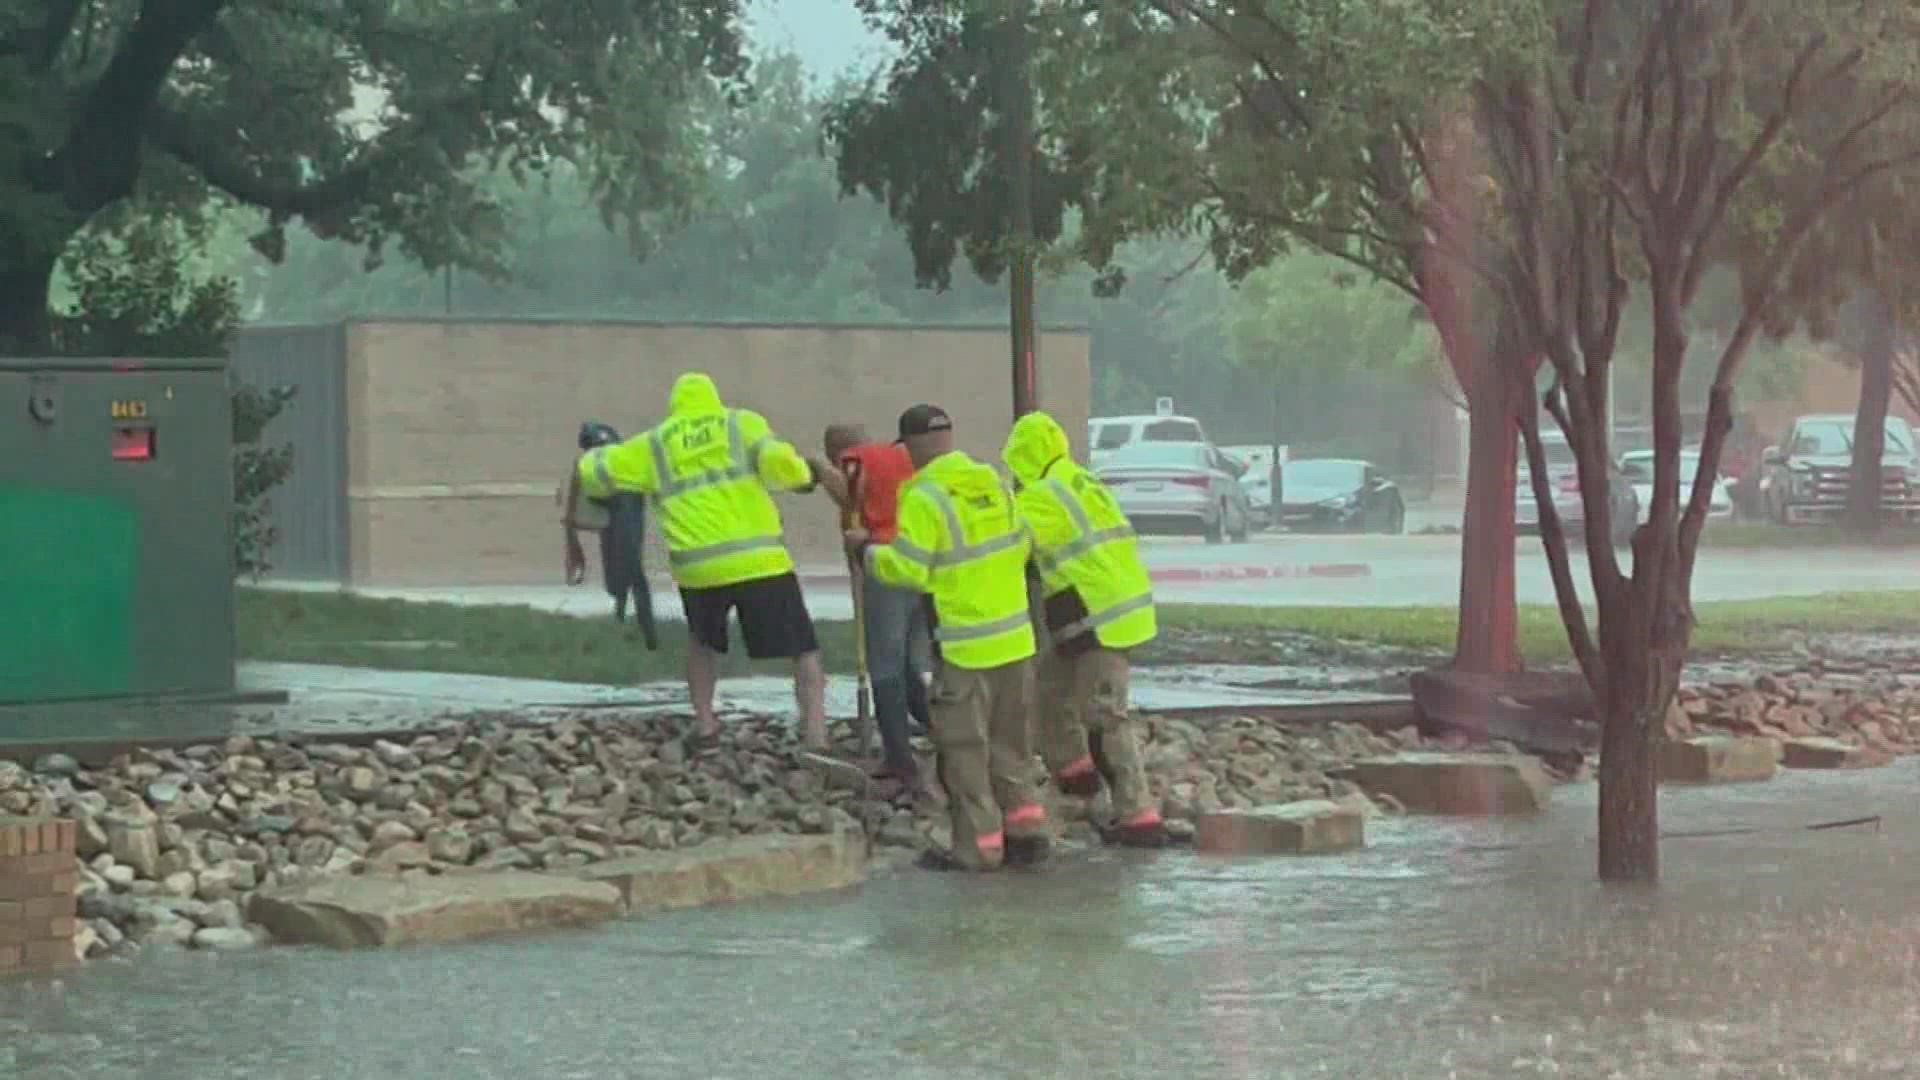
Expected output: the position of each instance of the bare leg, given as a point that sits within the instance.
(703, 673)
(810, 694)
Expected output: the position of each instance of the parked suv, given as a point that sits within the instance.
(1805, 478)
(1106, 434)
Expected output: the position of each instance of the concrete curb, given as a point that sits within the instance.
(730, 871)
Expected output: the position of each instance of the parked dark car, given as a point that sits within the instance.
(1339, 495)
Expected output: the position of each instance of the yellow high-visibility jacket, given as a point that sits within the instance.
(962, 542)
(709, 470)
(1082, 543)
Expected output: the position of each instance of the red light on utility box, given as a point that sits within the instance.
(133, 444)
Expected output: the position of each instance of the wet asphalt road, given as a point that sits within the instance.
(1395, 570)
(1447, 949)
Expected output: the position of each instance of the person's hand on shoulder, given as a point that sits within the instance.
(832, 479)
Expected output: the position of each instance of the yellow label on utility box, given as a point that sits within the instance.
(129, 410)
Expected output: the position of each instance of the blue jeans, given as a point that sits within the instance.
(899, 655)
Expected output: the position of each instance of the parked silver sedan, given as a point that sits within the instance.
(1166, 487)
(1637, 465)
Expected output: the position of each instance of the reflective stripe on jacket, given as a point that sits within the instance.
(961, 540)
(1081, 539)
(709, 469)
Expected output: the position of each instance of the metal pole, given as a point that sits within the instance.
(1017, 95)
(447, 283)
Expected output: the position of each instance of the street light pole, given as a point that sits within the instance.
(1017, 99)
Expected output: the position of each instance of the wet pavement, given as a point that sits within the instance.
(1399, 571)
(326, 699)
(1448, 948)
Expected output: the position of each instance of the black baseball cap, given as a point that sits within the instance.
(593, 433)
(924, 420)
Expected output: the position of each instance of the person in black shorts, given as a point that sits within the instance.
(773, 617)
(710, 471)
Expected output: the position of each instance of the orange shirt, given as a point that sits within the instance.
(882, 469)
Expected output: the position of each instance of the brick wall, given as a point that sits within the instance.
(1829, 386)
(459, 431)
(38, 879)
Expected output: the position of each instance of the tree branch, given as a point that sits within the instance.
(1325, 238)
(211, 156)
(1769, 134)
(99, 159)
(54, 30)
(1553, 538)
(1670, 36)
(1188, 268)
(1646, 77)
(1590, 18)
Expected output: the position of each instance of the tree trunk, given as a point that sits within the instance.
(1629, 790)
(1487, 640)
(24, 318)
(1865, 511)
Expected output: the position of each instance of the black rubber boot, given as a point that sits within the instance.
(1136, 836)
(1028, 851)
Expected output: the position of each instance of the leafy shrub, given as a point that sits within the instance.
(132, 295)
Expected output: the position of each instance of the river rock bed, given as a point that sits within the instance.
(174, 842)
(1871, 705)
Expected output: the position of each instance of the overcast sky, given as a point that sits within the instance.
(828, 34)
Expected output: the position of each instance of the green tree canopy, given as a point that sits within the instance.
(364, 121)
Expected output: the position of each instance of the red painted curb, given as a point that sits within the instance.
(1260, 573)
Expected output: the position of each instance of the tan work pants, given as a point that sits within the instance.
(1083, 712)
(983, 734)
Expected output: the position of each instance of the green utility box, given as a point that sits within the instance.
(116, 550)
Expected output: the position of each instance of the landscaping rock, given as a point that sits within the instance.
(1818, 752)
(1718, 759)
(1456, 783)
(1309, 827)
(734, 870)
(382, 912)
(134, 844)
(228, 939)
(565, 793)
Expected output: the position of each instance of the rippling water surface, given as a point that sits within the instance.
(1463, 949)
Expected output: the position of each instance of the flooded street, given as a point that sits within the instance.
(1448, 948)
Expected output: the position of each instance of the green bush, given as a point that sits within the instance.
(132, 295)
(257, 470)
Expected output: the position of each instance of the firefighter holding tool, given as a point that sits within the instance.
(1098, 604)
(961, 542)
(710, 470)
(865, 479)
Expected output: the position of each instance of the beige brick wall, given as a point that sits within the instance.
(1828, 386)
(460, 431)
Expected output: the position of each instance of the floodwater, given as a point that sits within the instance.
(1447, 949)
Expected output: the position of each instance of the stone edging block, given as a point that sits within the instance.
(1307, 827)
(1718, 760)
(732, 870)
